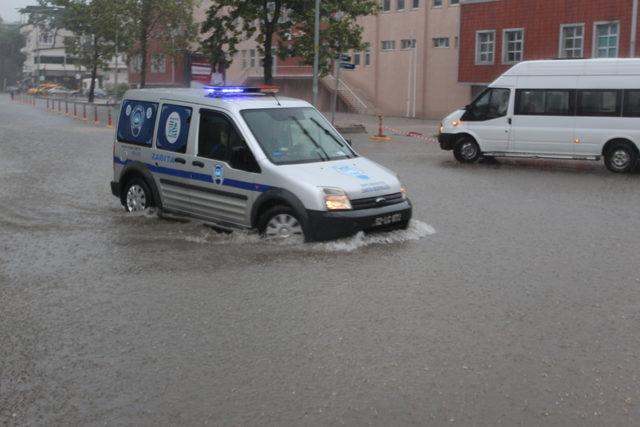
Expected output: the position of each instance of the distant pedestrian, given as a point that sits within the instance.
(12, 94)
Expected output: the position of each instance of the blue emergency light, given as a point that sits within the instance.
(216, 91)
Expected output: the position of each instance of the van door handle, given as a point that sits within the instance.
(180, 160)
(509, 120)
(197, 163)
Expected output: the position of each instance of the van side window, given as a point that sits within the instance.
(592, 102)
(631, 103)
(173, 129)
(491, 104)
(217, 136)
(136, 123)
(544, 102)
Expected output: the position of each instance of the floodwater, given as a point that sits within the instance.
(513, 298)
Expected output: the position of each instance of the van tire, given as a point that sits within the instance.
(466, 150)
(621, 157)
(136, 195)
(281, 222)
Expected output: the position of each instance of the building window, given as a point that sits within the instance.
(46, 37)
(400, 5)
(605, 43)
(158, 63)
(571, 41)
(407, 43)
(367, 57)
(388, 44)
(454, 2)
(244, 58)
(512, 46)
(356, 57)
(441, 42)
(485, 46)
(252, 58)
(136, 63)
(437, 3)
(386, 5)
(416, 4)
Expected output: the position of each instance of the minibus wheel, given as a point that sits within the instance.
(281, 223)
(466, 150)
(137, 196)
(620, 157)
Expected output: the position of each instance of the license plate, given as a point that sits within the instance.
(387, 219)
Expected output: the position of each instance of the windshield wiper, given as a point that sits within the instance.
(308, 135)
(327, 132)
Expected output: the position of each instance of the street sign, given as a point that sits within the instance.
(347, 66)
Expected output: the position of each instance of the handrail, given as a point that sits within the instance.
(351, 92)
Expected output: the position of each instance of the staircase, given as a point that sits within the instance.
(354, 98)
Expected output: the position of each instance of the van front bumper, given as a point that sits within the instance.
(115, 189)
(446, 140)
(324, 225)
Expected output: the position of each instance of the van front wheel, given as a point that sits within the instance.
(281, 223)
(620, 157)
(137, 196)
(466, 150)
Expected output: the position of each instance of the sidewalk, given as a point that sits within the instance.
(392, 125)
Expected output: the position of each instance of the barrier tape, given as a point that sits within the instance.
(412, 134)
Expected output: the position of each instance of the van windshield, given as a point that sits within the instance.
(296, 135)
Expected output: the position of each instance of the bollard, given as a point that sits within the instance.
(84, 112)
(59, 107)
(66, 108)
(109, 120)
(96, 121)
(48, 108)
(380, 136)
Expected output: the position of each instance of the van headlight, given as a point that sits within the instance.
(336, 199)
(403, 191)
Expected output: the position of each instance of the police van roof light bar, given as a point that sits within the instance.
(216, 91)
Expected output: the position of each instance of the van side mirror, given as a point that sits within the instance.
(242, 159)
(467, 107)
(349, 142)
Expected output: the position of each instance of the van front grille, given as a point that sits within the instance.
(377, 201)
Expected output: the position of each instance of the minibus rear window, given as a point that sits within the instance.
(631, 103)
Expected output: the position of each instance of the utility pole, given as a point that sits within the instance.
(316, 53)
(634, 28)
(334, 104)
(115, 83)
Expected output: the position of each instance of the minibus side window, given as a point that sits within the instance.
(544, 102)
(598, 102)
(631, 103)
(491, 104)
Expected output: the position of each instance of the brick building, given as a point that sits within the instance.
(495, 34)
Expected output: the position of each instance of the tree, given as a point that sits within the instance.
(168, 21)
(93, 23)
(289, 24)
(11, 41)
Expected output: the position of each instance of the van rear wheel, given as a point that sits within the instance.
(137, 196)
(620, 157)
(466, 150)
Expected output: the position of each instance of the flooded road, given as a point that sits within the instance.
(513, 298)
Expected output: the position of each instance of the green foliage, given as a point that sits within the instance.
(11, 41)
(168, 21)
(229, 22)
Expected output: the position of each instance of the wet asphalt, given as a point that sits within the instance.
(513, 299)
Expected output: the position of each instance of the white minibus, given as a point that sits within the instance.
(558, 109)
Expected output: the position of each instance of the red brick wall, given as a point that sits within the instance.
(161, 79)
(541, 20)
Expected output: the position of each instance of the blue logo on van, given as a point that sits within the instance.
(218, 174)
(137, 120)
(351, 171)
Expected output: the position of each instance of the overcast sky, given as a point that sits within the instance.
(8, 9)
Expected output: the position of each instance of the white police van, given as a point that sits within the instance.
(558, 109)
(238, 157)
